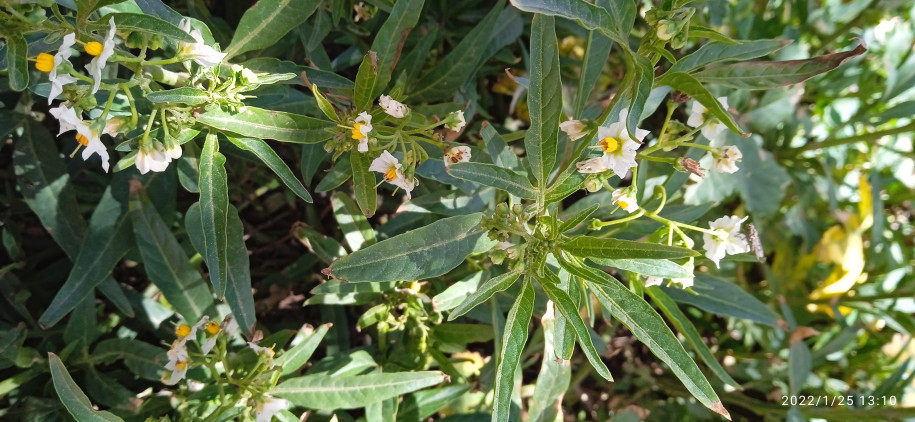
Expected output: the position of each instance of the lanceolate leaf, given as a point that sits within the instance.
(484, 292)
(107, 240)
(569, 310)
(767, 75)
(615, 22)
(495, 176)
(647, 326)
(690, 86)
(263, 151)
(350, 392)
(366, 81)
(544, 99)
(72, 396)
(143, 23)
(429, 251)
(641, 89)
(363, 183)
(592, 65)
(390, 38)
(647, 267)
(598, 247)
(725, 298)
(715, 52)
(294, 358)
(264, 124)
(268, 21)
(17, 51)
(513, 340)
(184, 95)
(214, 210)
(165, 262)
(355, 227)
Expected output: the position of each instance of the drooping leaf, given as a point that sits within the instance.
(356, 229)
(715, 52)
(214, 212)
(350, 392)
(429, 251)
(267, 21)
(599, 247)
(495, 176)
(72, 396)
(767, 75)
(544, 100)
(513, 340)
(263, 151)
(265, 124)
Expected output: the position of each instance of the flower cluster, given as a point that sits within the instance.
(178, 356)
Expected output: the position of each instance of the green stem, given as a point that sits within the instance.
(600, 224)
(133, 107)
(111, 96)
(852, 139)
(144, 141)
(695, 145)
(660, 219)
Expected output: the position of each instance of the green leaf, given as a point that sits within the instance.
(44, 183)
(569, 310)
(615, 22)
(484, 292)
(724, 298)
(107, 240)
(267, 21)
(424, 404)
(647, 326)
(554, 377)
(17, 51)
(647, 267)
(690, 86)
(685, 327)
(329, 392)
(363, 183)
(578, 218)
(599, 247)
(326, 107)
(165, 262)
(356, 229)
(142, 359)
(263, 151)
(293, 359)
(495, 176)
(461, 63)
(184, 95)
(426, 252)
(214, 212)
(265, 124)
(715, 52)
(513, 341)
(72, 396)
(767, 75)
(800, 365)
(85, 7)
(238, 278)
(592, 65)
(544, 100)
(366, 82)
(390, 38)
(135, 22)
(462, 333)
(641, 90)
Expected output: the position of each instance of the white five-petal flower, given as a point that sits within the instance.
(699, 115)
(393, 107)
(265, 351)
(454, 155)
(177, 362)
(198, 51)
(85, 134)
(726, 160)
(98, 63)
(727, 239)
(361, 129)
(575, 129)
(618, 146)
(392, 171)
(455, 121)
(627, 202)
(152, 158)
(268, 407)
(63, 55)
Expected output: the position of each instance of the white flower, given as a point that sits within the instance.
(268, 407)
(230, 326)
(177, 362)
(212, 329)
(619, 148)
(459, 154)
(98, 63)
(393, 107)
(174, 152)
(390, 168)
(85, 135)
(152, 157)
(198, 51)
(575, 129)
(653, 281)
(361, 129)
(455, 121)
(265, 351)
(727, 239)
(726, 162)
(592, 165)
(624, 200)
(698, 116)
(684, 282)
(63, 55)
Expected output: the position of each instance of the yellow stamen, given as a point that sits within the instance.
(94, 48)
(269, 351)
(84, 141)
(212, 327)
(44, 62)
(357, 131)
(390, 175)
(623, 204)
(183, 330)
(609, 145)
(414, 286)
(181, 365)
